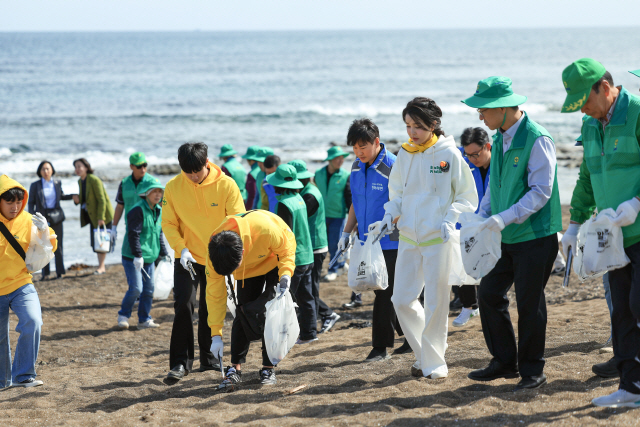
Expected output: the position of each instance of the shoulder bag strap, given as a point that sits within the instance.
(12, 241)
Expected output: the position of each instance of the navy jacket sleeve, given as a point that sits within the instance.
(63, 196)
(312, 204)
(31, 204)
(135, 218)
(285, 214)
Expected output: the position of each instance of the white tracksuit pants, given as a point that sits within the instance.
(424, 328)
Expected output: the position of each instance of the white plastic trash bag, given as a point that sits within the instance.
(457, 275)
(40, 250)
(163, 280)
(101, 240)
(281, 327)
(480, 249)
(368, 270)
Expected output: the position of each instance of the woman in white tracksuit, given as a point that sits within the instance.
(429, 187)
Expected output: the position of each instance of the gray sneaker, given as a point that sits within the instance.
(31, 382)
(328, 322)
(267, 376)
(618, 399)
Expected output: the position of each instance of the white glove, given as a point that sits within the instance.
(570, 239)
(283, 286)
(627, 212)
(138, 263)
(217, 346)
(344, 241)
(185, 256)
(376, 227)
(445, 231)
(40, 221)
(494, 223)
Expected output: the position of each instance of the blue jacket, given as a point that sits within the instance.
(370, 191)
(477, 177)
(271, 193)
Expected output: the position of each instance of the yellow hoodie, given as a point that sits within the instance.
(190, 211)
(13, 270)
(268, 243)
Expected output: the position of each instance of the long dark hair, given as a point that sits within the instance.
(425, 111)
(85, 162)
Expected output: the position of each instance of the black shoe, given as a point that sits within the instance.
(493, 371)
(231, 379)
(177, 373)
(532, 382)
(456, 304)
(608, 369)
(267, 376)
(328, 322)
(403, 349)
(377, 354)
(214, 367)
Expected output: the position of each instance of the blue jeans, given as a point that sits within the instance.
(139, 286)
(25, 304)
(334, 231)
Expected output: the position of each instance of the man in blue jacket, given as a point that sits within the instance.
(369, 181)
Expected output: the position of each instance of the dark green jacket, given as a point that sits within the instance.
(333, 192)
(98, 203)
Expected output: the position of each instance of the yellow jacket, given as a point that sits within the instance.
(190, 211)
(268, 243)
(13, 270)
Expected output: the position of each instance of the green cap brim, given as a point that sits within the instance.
(151, 187)
(305, 175)
(277, 182)
(507, 101)
(227, 153)
(254, 157)
(635, 73)
(329, 158)
(575, 102)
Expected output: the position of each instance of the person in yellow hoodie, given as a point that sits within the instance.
(194, 204)
(259, 249)
(16, 289)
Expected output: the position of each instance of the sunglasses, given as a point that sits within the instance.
(144, 165)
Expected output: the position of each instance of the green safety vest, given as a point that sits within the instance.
(509, 183)
(150, 235)
(300, 228)
(613, 159)
(239, 175)
(259, 178)
(255, 171)
(333, 193)
(130, 192)
(317, 222)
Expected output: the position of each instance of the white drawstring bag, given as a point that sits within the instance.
(480, 249)
(40, 250)
(163, 280)
(101, 240)
(281, 327)
(368, 270)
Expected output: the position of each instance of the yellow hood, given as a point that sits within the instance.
(7, 184)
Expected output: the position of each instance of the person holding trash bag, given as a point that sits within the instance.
(143, 244)
(95, 206)
(293, 211)
(259, 249)
(429, 186)
(17, 292)
(522, 203)
(252, 156)
(369, 182)
(194, 204)
(610, 178)
(233, 168)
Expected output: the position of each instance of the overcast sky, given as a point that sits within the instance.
(247, 15)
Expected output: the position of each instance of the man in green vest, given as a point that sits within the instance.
(610, 178)
(252, 156)
(333, 183)
(127, 194)
(233, 168)
(262, 154)
(523, 204)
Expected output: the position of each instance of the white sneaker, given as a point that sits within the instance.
(305, 341)
(618, 399)
(31, 382)
(465, 315)
(123, 322)
(330, 277)
(148, 324)
(343, 270)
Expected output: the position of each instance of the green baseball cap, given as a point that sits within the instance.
(147, 186)
(334, 152)
(262, 153)
(252, 153)
(285, 176)
(301, 168)
(495, 92)
(635, 72)
(137, 158)
(227, 150)
(578, 79)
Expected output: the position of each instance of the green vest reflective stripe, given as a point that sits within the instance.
(130, 192)
(333, 194)
(509, 183)
(239, 175)
(295, 204)
(150, 235)
(613, 159)
(317, 222)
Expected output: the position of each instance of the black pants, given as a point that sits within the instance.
(528, 266)
(302, 291)
(322, 309)
(181, 350)
(385, 321)
(249, 290)
(58, 253)
(625, 319)
(468, 296)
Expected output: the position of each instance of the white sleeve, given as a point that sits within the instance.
(485, 203)
(396, 187)
(463, 187)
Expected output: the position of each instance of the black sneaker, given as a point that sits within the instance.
(456, 304)
(231, 380)
(377, 354)
(328, 322)
(267, 376)
(404, 348)
(608, 369)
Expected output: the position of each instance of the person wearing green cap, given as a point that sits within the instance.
(143, 244)
(234, 169)
(293, 211)
(268, 199)
(523, 204)
(262, 155)
(252, 156)
(333, 183)
(610, 178)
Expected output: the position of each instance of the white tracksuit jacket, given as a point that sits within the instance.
(424, 196)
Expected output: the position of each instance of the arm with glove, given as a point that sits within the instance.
(465, 195)
(582, 205)
(43, 229)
